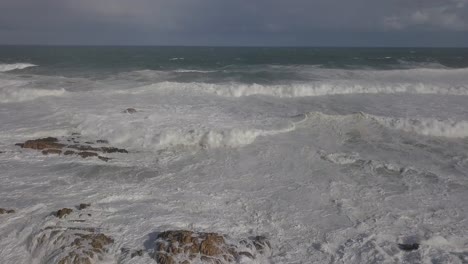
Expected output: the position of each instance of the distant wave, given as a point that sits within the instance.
(194, 71)
(15, 66)
(320, 88)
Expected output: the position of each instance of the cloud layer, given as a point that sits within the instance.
(240, 22)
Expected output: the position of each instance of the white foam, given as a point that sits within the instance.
(15, 94)
(192, 71)
(303, 90)
(15, 66)
(426, 126)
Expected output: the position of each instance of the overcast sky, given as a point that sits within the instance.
(236, 22)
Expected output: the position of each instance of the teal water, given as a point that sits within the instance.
(246, 64)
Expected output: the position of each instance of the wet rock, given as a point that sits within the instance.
(130, 111)
(84, 148)
(83, 206)
(63, 212)
(42, 143)
(106, 159)
(187, 247)
(6, 211)
(88, 142)
(408, 247)
(86, 154)
(113, 150)
(51, 151)
(50, 145)
(72, 245)
(102, 141)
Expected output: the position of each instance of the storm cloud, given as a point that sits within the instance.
(240, 22)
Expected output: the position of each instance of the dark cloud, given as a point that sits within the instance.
(228, 22)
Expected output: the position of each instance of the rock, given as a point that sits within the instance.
(86, 154)
(187, 247)
(83, 206)
(106, 159)
(89, 142)
(130, 111)
(408, 247)
(69, 152)
(6, 211)
(102, 141)
(113, 150)
(63, 212)
(42, 143)
(51, 151)
(72, 245)
(84, 148)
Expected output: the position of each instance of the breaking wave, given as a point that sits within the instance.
(14, 94)
(426, 126)
(303, 90)
(151, 136)
(422, 126)
(15, 66)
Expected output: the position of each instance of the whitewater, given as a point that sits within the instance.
(332, 157)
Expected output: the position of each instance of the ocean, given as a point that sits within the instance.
(333, 155)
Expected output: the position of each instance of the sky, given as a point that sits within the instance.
(235, 22)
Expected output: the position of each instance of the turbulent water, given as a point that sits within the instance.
(335, 155)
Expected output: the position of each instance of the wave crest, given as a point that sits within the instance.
(15, 66)
(302, 90)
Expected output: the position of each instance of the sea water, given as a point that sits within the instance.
(336, 155)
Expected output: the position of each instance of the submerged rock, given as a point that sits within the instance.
(63, 212)
(83, 206)
(130, 111)
(51, 151)
(408, 247)
(181, 246)
(72, 245)
(6, 211)
(86, 154)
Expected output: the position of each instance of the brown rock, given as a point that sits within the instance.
(63, 212)
(84, 148)
(181, 246)
(42, 143)
(72, 245)
(86, 154)
(6, 211)
(51, 151)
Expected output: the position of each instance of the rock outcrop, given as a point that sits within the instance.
(51, 145)
(72, 245)
(6, 211)
(185, 247)
(63, 212)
